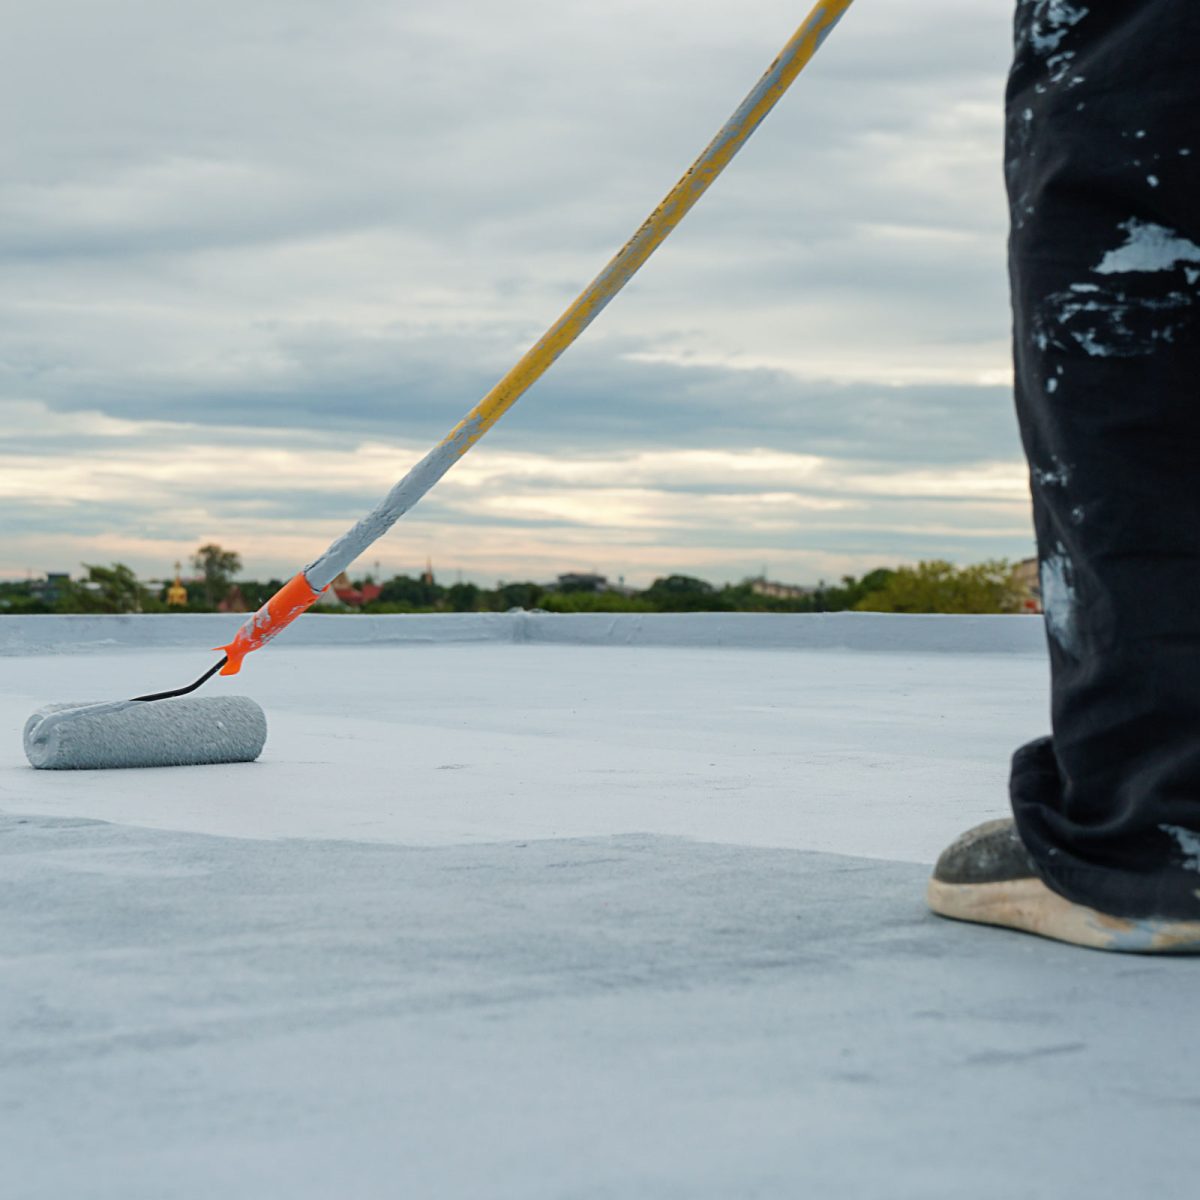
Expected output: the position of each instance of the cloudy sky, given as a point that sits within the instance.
(256, 256)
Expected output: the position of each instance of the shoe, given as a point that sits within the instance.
(987, 876)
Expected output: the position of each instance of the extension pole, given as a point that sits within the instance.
(302, 591)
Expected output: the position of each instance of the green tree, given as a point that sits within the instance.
(940, 587)
(516, 595)
(218, 567)
(405, 591)
(18, 598)
(577, 602)
(112, 589)
(462, 597)
(742, 597)
(684, 593)
(256, 594)
(851, 591)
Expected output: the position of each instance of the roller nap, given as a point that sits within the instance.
(162, 733)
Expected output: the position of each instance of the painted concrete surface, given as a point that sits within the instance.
(552, 920)
(610, 1017)
(878, 754)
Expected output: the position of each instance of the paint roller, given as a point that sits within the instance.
(175, 728)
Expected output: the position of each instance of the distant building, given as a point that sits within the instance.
(330, 599)
(349, 595)
(762, 586)
(582, 581)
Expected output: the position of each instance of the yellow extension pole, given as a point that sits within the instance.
(654, 231)
(302, 591)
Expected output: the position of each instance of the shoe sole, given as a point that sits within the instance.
(1030, 906)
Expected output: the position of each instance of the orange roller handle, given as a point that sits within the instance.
(296, 596)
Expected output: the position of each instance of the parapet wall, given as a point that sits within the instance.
(876, 632)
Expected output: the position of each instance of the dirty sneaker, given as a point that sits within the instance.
(987, 876)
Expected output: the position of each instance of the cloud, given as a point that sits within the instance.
(242, 245)
(280, 502)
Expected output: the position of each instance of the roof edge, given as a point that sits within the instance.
(876, 632)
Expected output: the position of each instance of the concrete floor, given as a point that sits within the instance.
(561, 921)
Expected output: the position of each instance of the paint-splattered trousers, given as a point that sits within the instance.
(1103, 173)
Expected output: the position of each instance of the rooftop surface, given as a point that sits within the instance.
(540, 906)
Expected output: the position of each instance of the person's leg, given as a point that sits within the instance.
(1103, 172)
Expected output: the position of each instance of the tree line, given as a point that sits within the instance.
(929, 587)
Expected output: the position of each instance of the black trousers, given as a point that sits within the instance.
(1103, 173)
